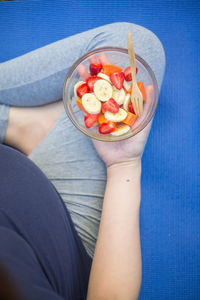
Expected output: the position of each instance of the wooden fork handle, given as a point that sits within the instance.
(131, 54)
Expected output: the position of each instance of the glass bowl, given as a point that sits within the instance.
(119, 57)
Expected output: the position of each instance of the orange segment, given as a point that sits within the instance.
(130, 90)
(130, 119)
(108, 69)
(142, 90)
(80, 105)
(101, 119)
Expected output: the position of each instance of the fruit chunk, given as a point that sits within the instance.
(103, 90)
(90, 120)
(126, 102)
(128, 74)
(101, 119)
(104, 76)
(91, 81)
(119, 96)
(142, 89)
(107, 127)
(110, 105)
(80, 105)
(95, 68)
(118, 117)
(126, 85)
(130, 106)
(102, 109)
(82, 90)
(79, 83)
(108, 69)
(117, 79)
(91, 104)
(130, 119)
(120, 129)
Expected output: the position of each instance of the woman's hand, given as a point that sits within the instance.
(130, 149)
(126, 150)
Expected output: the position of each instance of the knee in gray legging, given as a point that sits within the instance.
(146, 44)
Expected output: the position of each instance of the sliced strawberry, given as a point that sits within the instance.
(91, 81)
(102, 109)
(95, 68)
(127, 73)
(110, 105)
(82, 90)
(90, 120)
(117, 79)
(131, 108)
(107, 127)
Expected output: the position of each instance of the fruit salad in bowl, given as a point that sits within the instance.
(97, 94)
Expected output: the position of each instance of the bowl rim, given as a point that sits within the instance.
(111, 138)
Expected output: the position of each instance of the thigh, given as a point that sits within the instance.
(37, 77)
(30, 206)
(20, 271)
(69, 160)
(4, 113)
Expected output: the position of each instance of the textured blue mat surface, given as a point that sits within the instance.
(170, 211)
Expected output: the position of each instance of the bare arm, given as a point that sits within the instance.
(116, 268)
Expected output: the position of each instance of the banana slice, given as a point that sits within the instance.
(119, 96)
(104, 76)
(103, 90)
(126, 85)
(126, 101)
(79, 83)
(116, 117)
(121, 129)
(91, 104)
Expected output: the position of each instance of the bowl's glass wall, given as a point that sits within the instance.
(116, 56)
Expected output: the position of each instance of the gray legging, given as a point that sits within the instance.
(65, 155)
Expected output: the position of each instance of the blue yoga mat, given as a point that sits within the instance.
(170, 210)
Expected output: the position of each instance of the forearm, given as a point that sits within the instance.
(116, 268)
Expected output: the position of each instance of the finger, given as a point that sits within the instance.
(83, 72)
(103, 59)
(93, 60)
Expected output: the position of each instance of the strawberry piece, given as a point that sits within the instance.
(110, 105)
(131, 108)
(117, 79)
(82, 90)
(95, 68)
(90, 120)
(127, 73)
(102, 109)
(91, 81)
(107, 127)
